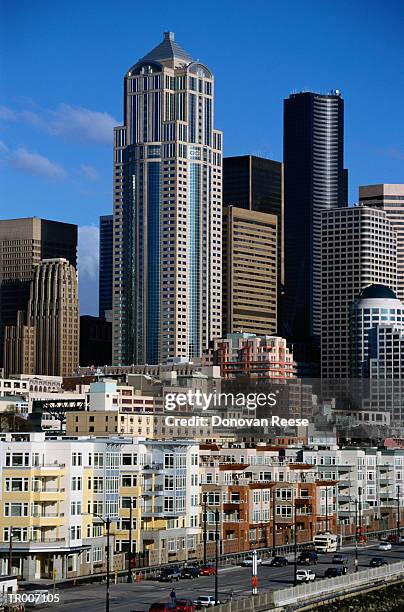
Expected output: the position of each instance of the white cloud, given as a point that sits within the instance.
(89, 172)
(73, 123)
(34, 163)
(88, 261)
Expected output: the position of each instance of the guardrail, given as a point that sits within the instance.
(314, 591)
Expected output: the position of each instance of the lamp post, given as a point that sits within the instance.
(326, 509)
(398, 511)
(356, 536)
(107, 523)
(205, 519)
(216, 556)
(10, 553)
(295, 542)
(129, 579)
(273, 523)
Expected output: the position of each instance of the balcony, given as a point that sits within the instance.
(153, 467)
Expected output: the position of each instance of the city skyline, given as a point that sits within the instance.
(47, 135)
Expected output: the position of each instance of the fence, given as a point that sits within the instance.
(314, 591)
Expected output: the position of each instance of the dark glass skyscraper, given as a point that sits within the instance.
(315, 181)
(105, 269)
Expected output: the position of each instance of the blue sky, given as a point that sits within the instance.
(62, 71)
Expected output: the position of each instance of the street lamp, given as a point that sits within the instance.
(205, 520)
(216, 556)
(129, 579)
(107, 523)
(273, 523)
(398, 511)
(295, 542)
(326, 509)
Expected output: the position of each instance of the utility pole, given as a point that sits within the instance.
(326, 509)
(129, 579)
(205, 520)
(216, 557)
(398, 511)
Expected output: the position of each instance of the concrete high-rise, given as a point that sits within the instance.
(105, 268)
(167, 211)
(315, 181)
(359, 249)
(256, 183)
(389, 198)
(249, 271)
(48, 342)
(23, 243)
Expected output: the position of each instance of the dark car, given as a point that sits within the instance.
(190, 572)
(341, 559)
(308, 557)
(160, 607)
(333, 572)
(279, 562)
(169, 574)
(377, 562)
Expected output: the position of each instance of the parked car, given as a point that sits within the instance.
(161, 607)
(190, 572)
(384, 546)
(169, 574)
(308, 557)
(340, 558)
(333, 572)
(305, 575)
(207, 570)
(279, 562)
(377, 562)
(185, 605)
(205, 601)
(248, 561)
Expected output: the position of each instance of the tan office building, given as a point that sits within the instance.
(249, 271)
(390, 198)
(48, 343)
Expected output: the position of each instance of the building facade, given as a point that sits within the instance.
(359, 249)
(250, 271)
(389, 198)
(52, 345)
(95, 341)
(23, 244)
(314, 181)
(167, 211)
(256, 184)
(106, 266)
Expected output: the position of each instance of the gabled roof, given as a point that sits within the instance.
(167, 50)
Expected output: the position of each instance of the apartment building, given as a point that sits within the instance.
(160, 481)
(369, 487)
(261, 493)
(52, 506)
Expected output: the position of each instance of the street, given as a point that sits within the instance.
(234, 581)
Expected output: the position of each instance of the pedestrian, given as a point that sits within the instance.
(173, 598)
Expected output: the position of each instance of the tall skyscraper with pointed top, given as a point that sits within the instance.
(167, 210)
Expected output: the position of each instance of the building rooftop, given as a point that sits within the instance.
(377, 292)
(168, 49)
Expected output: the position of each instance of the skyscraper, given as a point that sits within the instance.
(389, 198)
(23, 243)
(167, 210)
(314, 181)
(256, 183)
(359, 249)
(105, 269)
(249, 271)
(49, 341)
